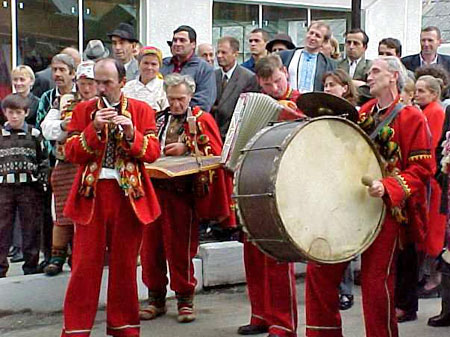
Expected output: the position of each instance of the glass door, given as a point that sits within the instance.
(5, 48)
(44, 28)
(103, 16)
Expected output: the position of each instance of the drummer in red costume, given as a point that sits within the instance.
(404, 144)
(110, 201)
(184, 200)
(271, 284)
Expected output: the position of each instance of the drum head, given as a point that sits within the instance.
(326, 210)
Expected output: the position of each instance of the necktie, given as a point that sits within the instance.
(224, 82)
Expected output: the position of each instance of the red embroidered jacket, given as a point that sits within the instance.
(405, 146)
(86, 147)
(217, 203)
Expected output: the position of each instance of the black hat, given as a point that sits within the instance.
(282, 38)
(124, 31)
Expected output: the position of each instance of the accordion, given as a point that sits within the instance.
(252, 113)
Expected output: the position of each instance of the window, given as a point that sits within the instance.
(44, 28)
(237, 20)
(103, 16)
(339, 22)
(289, 20)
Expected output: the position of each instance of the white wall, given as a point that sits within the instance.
(400, 19)
(164, 16)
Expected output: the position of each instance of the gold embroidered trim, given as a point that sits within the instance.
(419, 157)
(70, 332)
(314, 327)
(144, 145)
(123, 327)
(85, 145)
(403, 184)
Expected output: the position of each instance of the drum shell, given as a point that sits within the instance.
(255, 191)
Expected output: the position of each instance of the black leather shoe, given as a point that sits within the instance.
(345, 302)
(407, 317)
(439, 320)
(250, 329)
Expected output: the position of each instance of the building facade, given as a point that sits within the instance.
(32, 31)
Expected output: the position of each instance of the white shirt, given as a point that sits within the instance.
(423, 62)
(230, 72)
(151, 93)
(295, 72)
(51, 126)
(352, 66)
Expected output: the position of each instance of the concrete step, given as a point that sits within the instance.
(217, 264)
(42, 293)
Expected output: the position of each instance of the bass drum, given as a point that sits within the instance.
(299, 192)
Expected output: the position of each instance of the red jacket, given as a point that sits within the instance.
(409, 165)
(216, 203)
(435, 116)
(87, 148)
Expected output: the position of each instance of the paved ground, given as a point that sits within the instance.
(220, 312)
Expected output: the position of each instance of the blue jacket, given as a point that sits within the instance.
(249, 64)
(203, 75)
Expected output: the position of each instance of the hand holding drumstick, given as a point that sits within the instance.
(376, 187)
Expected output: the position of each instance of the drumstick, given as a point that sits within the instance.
(367, 181)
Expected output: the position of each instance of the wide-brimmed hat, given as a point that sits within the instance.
(95, 50)
(280, 38)
(124, 31)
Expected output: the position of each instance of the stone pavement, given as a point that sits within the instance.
(220, 312)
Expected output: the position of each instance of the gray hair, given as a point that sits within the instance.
(175, 79)
(395, 65)
(66, 59)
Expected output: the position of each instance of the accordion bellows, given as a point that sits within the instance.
(252, 113)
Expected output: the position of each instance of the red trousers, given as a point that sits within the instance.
(172, 237)
(115, 226)
(377, 285)
(272, 292)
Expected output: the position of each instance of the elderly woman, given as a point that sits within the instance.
(149, 86)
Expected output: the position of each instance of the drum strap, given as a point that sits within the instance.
(398, 107)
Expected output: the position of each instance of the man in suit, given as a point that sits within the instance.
(355, 63)
(430, 40)
(306, 66)
(123, 41)
(232, 79)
